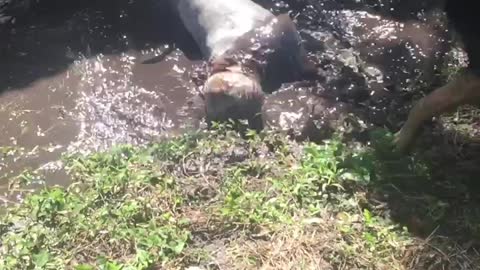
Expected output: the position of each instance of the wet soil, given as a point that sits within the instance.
(73, 78)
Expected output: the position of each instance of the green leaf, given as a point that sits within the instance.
(367, 216)
(178, 248)
(41, 259)
(84, 267)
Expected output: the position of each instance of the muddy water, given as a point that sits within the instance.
(123, 101)
(78, 83)
(58, 93)
(95, 103)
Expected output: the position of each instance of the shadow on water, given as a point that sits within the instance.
(38, 43)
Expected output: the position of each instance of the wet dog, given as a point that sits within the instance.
(462, 15)
(243, 43)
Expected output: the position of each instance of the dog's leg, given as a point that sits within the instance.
(463, 90)
(256, 122)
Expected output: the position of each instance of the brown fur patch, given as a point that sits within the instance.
(217, 85)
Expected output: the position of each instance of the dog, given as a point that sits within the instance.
(243, 44)
(463, 90)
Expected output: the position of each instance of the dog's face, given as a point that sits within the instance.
(232, 94)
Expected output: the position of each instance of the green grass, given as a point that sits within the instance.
(217, 199)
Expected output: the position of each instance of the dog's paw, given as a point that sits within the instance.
(403, 140)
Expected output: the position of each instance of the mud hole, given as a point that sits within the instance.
(72, 79)
(77, 83)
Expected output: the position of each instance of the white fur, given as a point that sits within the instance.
(216, 24)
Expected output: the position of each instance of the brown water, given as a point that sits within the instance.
(76, 82)
(57, 95)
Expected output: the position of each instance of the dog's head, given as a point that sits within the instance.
(232, 93)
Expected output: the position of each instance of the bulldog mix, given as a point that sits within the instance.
(243, 43)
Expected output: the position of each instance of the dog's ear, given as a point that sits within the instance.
(220, 64)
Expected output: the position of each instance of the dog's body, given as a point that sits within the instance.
(242, 42)
(463, 90)
(216, 25)
(234, 36)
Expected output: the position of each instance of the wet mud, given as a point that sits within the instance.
(76, 81)
(73, 78)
